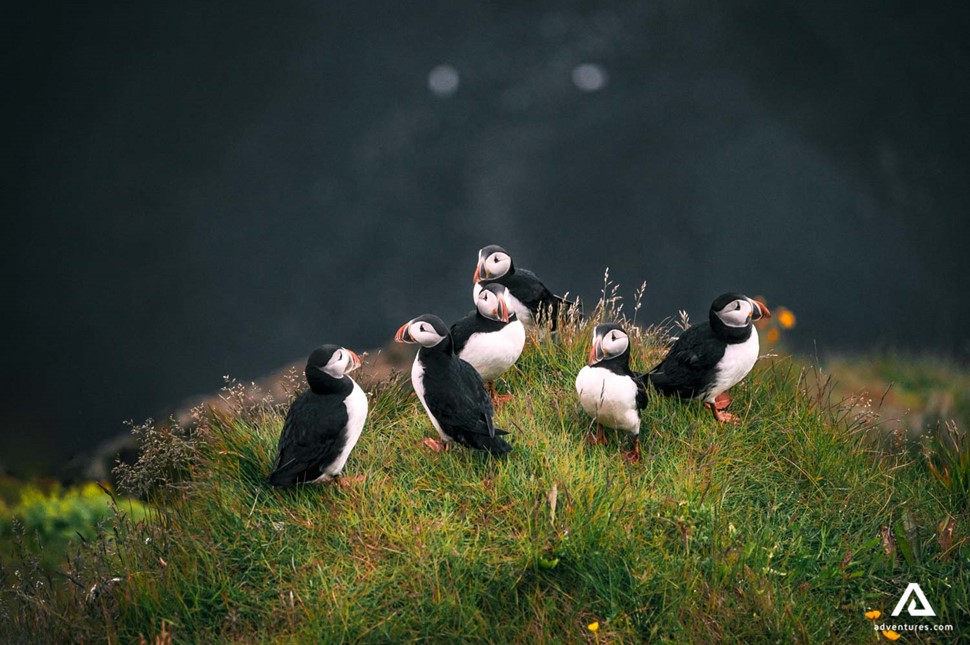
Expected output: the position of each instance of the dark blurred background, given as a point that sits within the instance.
(199, 189)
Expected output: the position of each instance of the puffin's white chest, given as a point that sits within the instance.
(493, 353)
(609, 398)
(523, 313)
(737, 361)
(417, 381)
(356, 404)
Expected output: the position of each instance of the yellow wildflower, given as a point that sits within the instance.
(874, 614)
(772, 336)
(890, 634)
(593, 627)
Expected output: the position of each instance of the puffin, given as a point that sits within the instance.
(530, 299)
(490, 338)
(609, 390)
(711, 357)
(323, 424)
(451, 391)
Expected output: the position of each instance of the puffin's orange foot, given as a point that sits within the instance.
(722, 401)
(350, 482)
(598, 439)
(725, 417)
(718, 407)
(434, 444)
(633, 456)
(497, 399)
(501, 399)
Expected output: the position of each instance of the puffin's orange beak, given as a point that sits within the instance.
(478, 272)
(503, 310)
(355, 361)
(596, 352)
(403, 334)
(762, 310)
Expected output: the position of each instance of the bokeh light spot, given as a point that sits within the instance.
(443, 81)
(590, 77)
(786, 318)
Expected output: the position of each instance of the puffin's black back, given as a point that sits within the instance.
(456, 396)
(690, 365)
(529, 290)
(314, 431)
(312, 438)
(526, 287)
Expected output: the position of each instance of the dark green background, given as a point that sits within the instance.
(198, 189)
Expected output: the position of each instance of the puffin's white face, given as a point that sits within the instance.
(494, 306)
(615, 342)
(341, 363)
(607, 344)
(738, 313)
(495, 265)
(419, 331)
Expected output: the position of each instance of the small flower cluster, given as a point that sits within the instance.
(783, 319)
(888, 633)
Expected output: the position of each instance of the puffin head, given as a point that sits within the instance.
(493, 302)
(329, 363)
(737, 310)
(609, 341)
(427, 330)
(493, 262)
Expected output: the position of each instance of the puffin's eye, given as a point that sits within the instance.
(737, 306)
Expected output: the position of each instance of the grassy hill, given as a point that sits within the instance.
(786, 527)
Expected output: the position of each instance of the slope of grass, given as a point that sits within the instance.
(914, 393)
(784, 528)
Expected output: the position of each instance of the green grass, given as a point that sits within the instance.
(771, 530)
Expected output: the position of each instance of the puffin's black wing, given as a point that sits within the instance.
(462, 330)
(459, 401)
(640, 380)
(688, 368)
(530, 291)
(312, 437)
(463, 408)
